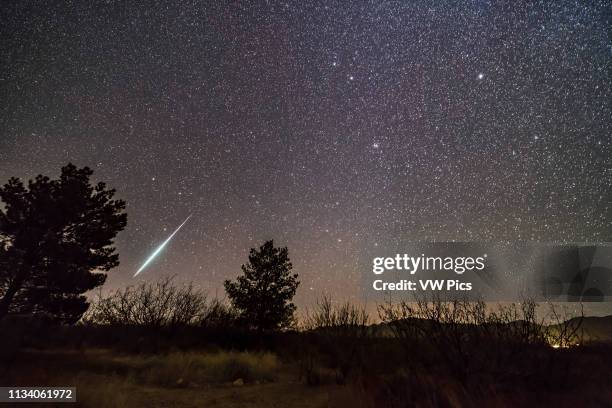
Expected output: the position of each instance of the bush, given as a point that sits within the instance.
(472, 340)
(160, 304)
(342, 333)
(217, 314)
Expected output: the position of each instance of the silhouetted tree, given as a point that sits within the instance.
(56, 240)
(263, 294)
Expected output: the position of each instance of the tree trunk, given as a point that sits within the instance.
(12, 290)
(7, 299)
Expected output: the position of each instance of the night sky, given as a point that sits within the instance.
(331, 127)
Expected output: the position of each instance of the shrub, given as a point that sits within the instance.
(342, 331)
(160, 304)
(156, 304)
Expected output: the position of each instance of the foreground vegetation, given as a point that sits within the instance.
(193, 351)
(106, 378)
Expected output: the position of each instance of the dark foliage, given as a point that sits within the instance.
(56, 237)
(264, 292)
(343, 335)
(398, 363)
(160, 304)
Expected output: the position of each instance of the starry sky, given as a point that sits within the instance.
(331, 127)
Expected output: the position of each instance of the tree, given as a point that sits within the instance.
(56, 242)
(263, 294)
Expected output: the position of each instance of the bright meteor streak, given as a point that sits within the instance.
(160, 248)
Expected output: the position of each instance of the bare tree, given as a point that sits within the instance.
(469, 336)
(343, 331)
(341, 318)
(566, 328)
(473, 337)
(218, 314)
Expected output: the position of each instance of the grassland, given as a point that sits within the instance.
(105, 378)
(457, 357)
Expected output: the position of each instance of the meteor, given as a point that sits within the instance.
(160, 248)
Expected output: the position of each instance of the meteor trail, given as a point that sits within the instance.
(160, 248)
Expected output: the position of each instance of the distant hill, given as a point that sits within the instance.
(596, 328)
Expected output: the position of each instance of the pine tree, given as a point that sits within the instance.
(263, 294)
(56, 240)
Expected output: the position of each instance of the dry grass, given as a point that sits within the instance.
(105, 379)
(103, 391)
(194, 369)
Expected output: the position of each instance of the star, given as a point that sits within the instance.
(300, 137)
